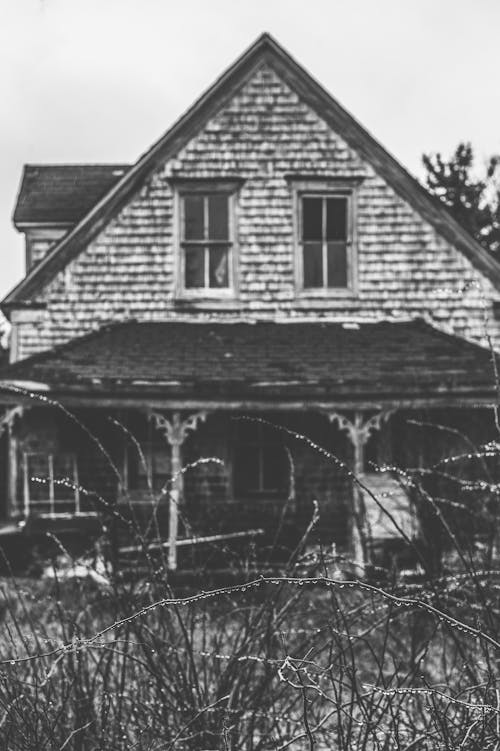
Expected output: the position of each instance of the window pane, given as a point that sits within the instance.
(38, 469)
(63, 470)
(161, 466)
(193, 218)
(312, 218)
(218, 217)
(218, 268)
(248, 431)
(274, 468)
(336, 218)
(195, 267)
(246, 470)
(313, 265)
(337, 264)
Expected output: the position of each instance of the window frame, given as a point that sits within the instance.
(326, 189)
(30, 505)
(207, 187)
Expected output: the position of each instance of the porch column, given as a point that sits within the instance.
(175, 429)
(7, 423)
(359, 429)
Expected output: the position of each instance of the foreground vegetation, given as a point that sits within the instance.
(298, 661)
(307, 657)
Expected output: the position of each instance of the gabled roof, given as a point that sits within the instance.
(265, 359)
(265, 49)
(63, 193)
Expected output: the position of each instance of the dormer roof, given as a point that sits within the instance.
(62, 194)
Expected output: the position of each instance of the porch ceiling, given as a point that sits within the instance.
(264, 360)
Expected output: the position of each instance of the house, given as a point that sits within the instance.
(266, 279)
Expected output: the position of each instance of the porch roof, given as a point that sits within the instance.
(263, 360)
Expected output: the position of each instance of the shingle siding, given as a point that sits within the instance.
(263, 135)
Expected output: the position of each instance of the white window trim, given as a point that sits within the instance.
(189, 187)
(326, 188)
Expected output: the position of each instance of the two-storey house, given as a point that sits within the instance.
(264, 278)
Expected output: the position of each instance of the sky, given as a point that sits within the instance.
(101, 80)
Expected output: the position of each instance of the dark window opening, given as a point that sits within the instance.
(205, 240)
(325, 241)
(261, 467)
(149, 467)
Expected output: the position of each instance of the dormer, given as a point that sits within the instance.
(53, 198)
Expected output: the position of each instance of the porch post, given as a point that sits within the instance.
(359, 430)
(12, 471)
(7, 422)
(175, 430)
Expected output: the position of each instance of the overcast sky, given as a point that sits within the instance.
(100, 80)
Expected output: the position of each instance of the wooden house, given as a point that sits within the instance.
(264, 303)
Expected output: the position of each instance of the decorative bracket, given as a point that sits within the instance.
(175, 428)
(7, 419)
(359, 430)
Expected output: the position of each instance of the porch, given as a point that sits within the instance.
(173, 432)
(196, 483)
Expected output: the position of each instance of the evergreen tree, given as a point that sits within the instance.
(472, 199)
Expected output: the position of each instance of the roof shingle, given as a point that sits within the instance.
(265, 358)
(63, 193)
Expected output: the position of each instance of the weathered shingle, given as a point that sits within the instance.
(201, 359)
(264, 134)
(63, 193)
(276, 121)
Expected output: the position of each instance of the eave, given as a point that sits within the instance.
(232, 399)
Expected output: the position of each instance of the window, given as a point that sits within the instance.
(149, 469)
(325, 212)
(261, 467)
(206, 241)
(50, 484)
(325, 240)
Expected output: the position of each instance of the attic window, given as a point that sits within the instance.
(326, 248)
(324, 241)
(206, 241)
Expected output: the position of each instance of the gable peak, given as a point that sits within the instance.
(265, 49)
